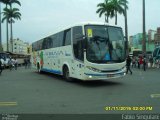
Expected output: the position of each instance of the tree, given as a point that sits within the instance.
(14, 2)
(111, 8)
(8, 2)
(106, 9)
(119, 7)
(10, 15)
(12, 21)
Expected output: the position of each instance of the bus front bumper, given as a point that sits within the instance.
(103, 76)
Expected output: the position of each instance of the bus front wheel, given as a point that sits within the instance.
(66, 74)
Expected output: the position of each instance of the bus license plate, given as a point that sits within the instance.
(110, 75)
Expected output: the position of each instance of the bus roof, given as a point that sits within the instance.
(93, 23)
(86, 23)
(80, 24)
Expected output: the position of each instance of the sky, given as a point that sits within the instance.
(41, 18)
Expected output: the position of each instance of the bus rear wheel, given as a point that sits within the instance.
(66, 74)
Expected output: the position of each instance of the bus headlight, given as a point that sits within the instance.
(93, 69)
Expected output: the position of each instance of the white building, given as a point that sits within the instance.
(19, 46)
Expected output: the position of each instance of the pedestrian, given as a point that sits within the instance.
(25, 62)
(154, 63)
(134, 62)
(144, 62)
(128, 64)
(151, 61)
(157, 63)
(139, 62)
(15, 63)
(29, 62)
(1, 68)
(10, 63)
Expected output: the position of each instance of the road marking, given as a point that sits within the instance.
(155, 95)
(8, 104)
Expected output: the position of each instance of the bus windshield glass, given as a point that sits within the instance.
(105, 44)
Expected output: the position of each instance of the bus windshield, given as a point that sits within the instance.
(105, 44)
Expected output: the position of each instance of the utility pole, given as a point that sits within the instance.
(144, 30)
(126, 30)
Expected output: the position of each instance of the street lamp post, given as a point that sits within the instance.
(144, 29)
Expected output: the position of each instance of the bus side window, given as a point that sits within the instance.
(78, 42)
(67, 37)
(60, 39)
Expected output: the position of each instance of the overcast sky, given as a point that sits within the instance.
(44, 17)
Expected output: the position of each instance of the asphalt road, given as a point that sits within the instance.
(26, 91)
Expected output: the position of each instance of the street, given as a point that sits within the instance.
(26, 91)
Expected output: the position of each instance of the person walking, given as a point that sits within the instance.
(144, 62)
(128, 64)
(138, 62)
(10, 63)
(150, 61)
(25, 62)
(1, 69)
(29, 63)
(15, 63)
(134, 62)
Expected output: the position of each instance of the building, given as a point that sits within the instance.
(136, 41)
(131, 40)
(19, 46)
(151, 40)
(157, 37)
(151, 34)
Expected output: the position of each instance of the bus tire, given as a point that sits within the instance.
(38, 68)
(66, 74)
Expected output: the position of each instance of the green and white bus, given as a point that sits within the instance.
(86, 51)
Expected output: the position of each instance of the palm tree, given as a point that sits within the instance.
(8, 2)
(10, 15)
(111, 8)
(14, 2)
(106, 9)
(119, 6)
(12, 21)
